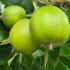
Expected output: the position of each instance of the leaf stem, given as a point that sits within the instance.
(6, 41)
(20, 58)
(10, 60)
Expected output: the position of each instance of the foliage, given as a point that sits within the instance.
(59, 58)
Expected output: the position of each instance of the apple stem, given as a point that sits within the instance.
(50, 46)
(47, 49)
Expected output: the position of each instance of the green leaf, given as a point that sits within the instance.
(64, 57)
(27, 4)
(2, 27)
(65, 49)
(5, 53)
(15, 65)
(3, 35)
(61, 66)
(60, 59)
(49, 66)
(4, 66)
(53, 57)
(21, 62)
(37, 64)
(10, 2)
(65, 61)
(26, 62)
(67, 11)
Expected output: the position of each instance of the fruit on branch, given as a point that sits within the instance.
(12, 14)
(49, 24)
(20, 37)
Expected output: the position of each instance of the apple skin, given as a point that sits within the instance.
(21, 39)
(12, 14)
(49, 24)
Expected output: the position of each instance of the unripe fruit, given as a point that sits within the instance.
(49, 24)
(12, 14)
(20, 37)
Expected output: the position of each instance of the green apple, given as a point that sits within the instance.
(49, 24)
(20, 37)
(12, 14)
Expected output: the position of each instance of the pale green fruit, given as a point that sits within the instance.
(12, 14)
(49, 24)
(20, 37)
